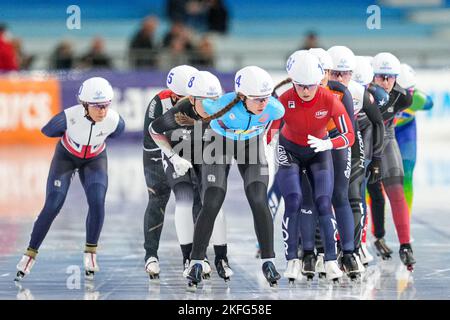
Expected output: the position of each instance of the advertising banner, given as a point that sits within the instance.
(28, 101)
(26, 104)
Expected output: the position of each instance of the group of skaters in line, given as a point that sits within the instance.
(338, 129)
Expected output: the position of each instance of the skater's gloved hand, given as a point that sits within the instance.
(380, 95)
(180, 165)
(373, 172)
(318, 144)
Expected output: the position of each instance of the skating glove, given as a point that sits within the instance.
(373, 172)
(318, 144)
(180, 165)
(380, 95)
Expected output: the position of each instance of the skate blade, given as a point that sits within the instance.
(89, 275)
(224, 278)
(355, 278)
(153, 276)
(309, 275)
(335, 281)
(192, 287)
(206, 276)
(353, 275)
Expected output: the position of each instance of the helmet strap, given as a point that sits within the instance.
(244, 102)
(194, 109)
(295, 89)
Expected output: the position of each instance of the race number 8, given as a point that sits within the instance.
(191, 82)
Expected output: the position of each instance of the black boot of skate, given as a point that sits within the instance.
(350, 266)
(195, 275)
(223, 269)
(382, 249)
(309, 265)
(406, 255)
(270, 273)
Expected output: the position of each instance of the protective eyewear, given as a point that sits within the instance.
(104, 105)
(260, 100)
(306, 86)
(381, 76)
(203, 98)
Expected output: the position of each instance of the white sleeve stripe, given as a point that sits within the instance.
(154, 149)
(345, 140)
(344, 130)
(150, 129)
(343, 124)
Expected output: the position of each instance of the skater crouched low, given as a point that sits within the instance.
(83, 129)
(237, 121)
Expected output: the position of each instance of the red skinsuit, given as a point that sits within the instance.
(303, 118)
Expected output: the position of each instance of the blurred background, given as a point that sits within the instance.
(224, 34)
(47, 48)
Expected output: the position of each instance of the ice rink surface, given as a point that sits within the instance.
(58, 274)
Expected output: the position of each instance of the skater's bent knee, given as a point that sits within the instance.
(340, 197)
(323, 204)
(256, 192)
(213, 198)
(54, 202)
(292, 202)
(393, 180)
(96, 193)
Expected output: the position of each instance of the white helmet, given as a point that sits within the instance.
(343, 58)
(304, 68)
(204, 84)
(363, 73)
(252, 81)
(386, 63)
(324, 57)
(370, 59)
(95, 90)
(178, 77)
(407, 76)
